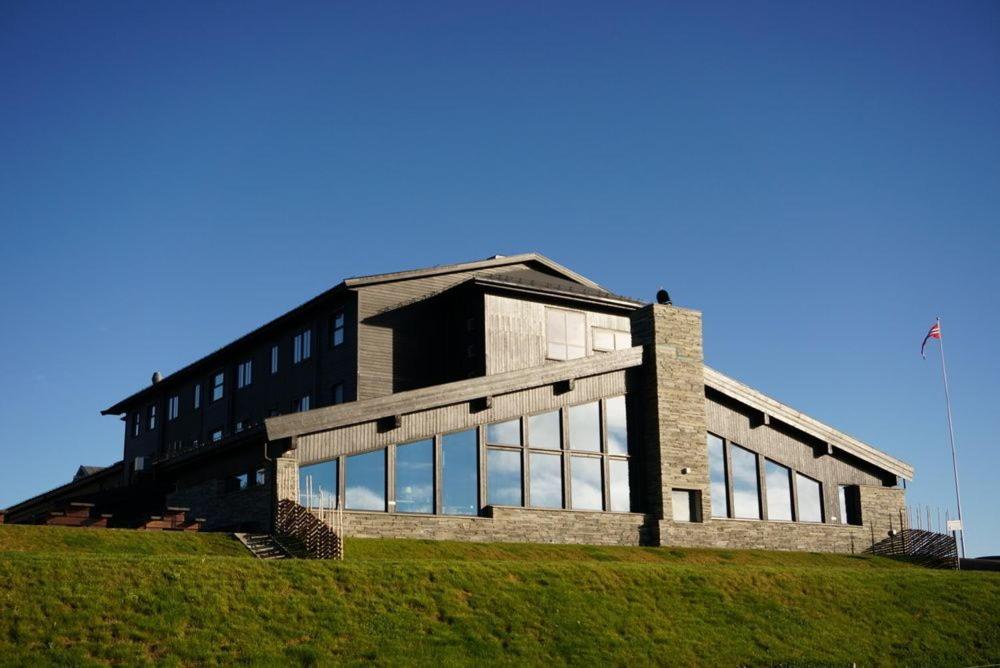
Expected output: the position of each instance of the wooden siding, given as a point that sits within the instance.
(454, 417)
(515, 332)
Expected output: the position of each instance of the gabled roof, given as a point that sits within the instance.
(488, 263)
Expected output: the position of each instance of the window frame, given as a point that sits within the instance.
(335, 329)
(173, 407)
(565, 343)
(274, 358)
(244, 374)
(302, 346)
(218, 385)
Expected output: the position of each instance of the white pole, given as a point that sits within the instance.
(951, 435)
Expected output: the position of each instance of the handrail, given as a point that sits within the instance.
(320, 541)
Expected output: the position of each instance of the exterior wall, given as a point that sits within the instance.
(506, 525)
(248, 509)
(515, 332)
(882, 508)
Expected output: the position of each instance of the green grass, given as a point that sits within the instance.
(424, 603)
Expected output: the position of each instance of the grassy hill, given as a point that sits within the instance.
(96, 597)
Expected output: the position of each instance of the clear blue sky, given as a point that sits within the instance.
(820, 179)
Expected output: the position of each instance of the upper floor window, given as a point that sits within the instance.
(337, 329)
(338, 393)
(152, 417)
(301, 404)
(244, 374)
(565, 334)
(216, 435)
(173, 406)
(218, 386)
(197, 396)
(136, 421)
(274, 359)
(302, 347)
(606, 340)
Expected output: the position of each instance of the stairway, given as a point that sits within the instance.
(264, 546)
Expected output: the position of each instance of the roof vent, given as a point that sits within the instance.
(496, 257)
(157, 377)
(663, 297)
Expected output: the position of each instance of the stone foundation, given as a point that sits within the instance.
(246, 509)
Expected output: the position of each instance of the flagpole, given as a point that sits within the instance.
(951, 435)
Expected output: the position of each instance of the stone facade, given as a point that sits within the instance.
(249, 509)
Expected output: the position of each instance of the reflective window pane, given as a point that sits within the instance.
(717, 475)
(546, 480)
(746, 492)
(585, 427)
(365, 485)
(318, 485)
(682, 502)
(503, 477)
(415, 477)
(620, 497)
(459, 474)
(807, 491)
(588, 493)
(543, 431)
(617, 426)
(777, 481)
(504, 433)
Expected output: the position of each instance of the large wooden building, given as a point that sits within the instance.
(508, 399)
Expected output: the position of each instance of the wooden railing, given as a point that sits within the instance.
(319, 540)
(926, 548)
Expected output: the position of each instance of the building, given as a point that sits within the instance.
(508, 399)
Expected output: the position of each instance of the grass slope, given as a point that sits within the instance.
(161, 600)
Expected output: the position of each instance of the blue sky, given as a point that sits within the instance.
(821, 180)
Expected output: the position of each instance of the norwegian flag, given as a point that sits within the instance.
(934, 333)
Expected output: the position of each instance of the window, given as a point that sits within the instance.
(684, 503)
(746, 488)
(239, 426)
(337, 329)
(274, 359)
(197, 396)
(546, 480)
(585, 427)
(260, 477)
(152, 417)
(218, 385)
(238, 482)
(216, 435)
(302, 346)
(565, 334)
(717, 475)
(586, 485)
(136, 422)
(415, 477)
(459, 474)
(504, 433)
(617, 426)
(621, 500)
(365, 484)
(244, 374)
(810, 499)
(173, 406)
(778, 483)
(301, 404)
(318, 485)
(544, 432)
(503, 477)
(606, 340)
(850, 504)
(337, 394)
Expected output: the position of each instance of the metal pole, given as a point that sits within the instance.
(951, 435)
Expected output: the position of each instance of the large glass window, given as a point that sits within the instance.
(415, 477)
(620, 494)
(617, 426)
(543, 431)
(717, 475)
(778, 482)
(746, 490)
(565, 334)
(587, 490)
(460, 474)
(503, 477)
(365, 485)
(504, 433)
(318, 485)
(810, 499)
(585, 427)
(546, 480)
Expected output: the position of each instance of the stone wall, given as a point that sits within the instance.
(505, 525)
(880, 512)
(246, 509)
